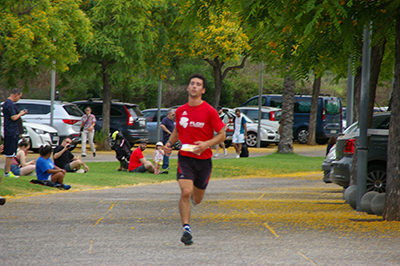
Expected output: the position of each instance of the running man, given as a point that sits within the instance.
(196, 122)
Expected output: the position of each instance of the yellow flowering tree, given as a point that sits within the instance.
(220, 40)
(36, 33)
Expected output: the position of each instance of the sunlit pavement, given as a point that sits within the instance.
(284, 220)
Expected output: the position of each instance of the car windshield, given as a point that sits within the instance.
(72, 109)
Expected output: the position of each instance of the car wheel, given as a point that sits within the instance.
(302, 135)
(376, 178)
(251, 140)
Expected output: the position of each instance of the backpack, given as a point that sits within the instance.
(245, 150)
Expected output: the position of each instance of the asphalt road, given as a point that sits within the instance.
(140, 225)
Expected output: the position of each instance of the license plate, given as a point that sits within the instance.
(54, 139)
(333, 131)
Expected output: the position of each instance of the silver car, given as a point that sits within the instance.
(66, 117)
(268, 134)
(270, 116)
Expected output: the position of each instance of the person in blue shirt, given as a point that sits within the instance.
(167, 125)
(240, 133)
(46, 170)
(12, 129)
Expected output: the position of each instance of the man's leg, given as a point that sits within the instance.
(77, 164)
(186, 186)
(149, 167)
(165, 162)
(83, 138)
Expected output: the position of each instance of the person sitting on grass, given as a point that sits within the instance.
(64, 159)
(46, 170)
(19, 166)
(137, 162)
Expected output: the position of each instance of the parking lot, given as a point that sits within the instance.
(285, 220)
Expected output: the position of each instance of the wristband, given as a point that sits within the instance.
(169, 142)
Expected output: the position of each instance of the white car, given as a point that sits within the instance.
(268, 134)
(67, 116)
(40, 134)
(270, 116)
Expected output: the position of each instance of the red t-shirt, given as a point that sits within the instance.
(197, 123)
(134, 161)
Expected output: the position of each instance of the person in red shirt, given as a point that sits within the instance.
(196, 122)
(137, 162)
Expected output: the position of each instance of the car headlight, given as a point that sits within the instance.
(39, 131)
(269, 131)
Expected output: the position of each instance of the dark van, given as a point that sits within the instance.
(329, 115)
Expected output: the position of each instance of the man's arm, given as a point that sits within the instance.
(17, 116)
(164, 128)
(172, 139)
(203, 145)
(58, 154)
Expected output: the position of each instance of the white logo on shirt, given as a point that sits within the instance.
(184, 113)
(184, 122)
(197, 124)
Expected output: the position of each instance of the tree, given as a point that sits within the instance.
(392, 199)
(34, 34)
(123, 35)
(219, 39)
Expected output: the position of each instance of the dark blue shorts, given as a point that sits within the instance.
(194, 169)
(10, 145)
(140, 169)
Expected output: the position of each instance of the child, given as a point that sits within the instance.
(158, 158)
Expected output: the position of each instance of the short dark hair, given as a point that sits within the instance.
(44, 150)
(200, 76)
(219, 107)
(16, 91)
(24, 143)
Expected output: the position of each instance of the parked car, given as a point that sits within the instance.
(329, 115)
(40, 134)
(377, 154)
(268, 134)
(66, 116)
(124, 117)
(270, 116)
(37, 134)
(327, 164)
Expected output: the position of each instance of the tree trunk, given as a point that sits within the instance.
(106, 106)
(314, 109)
(286, 122)
(392, 201)
(219, 76)
(377, 53)
(217, 67)
(356, 96)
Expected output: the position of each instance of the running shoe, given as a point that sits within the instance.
(10, 174)
(66, 187)
(225, 152)
(187, 237)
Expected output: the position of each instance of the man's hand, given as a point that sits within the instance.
(168, 148)
(201, 146)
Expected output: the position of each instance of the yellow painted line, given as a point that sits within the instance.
(272, 230)
(98, 221)
(261, 196)
(112, 205)
(304, 256)
(267, 226)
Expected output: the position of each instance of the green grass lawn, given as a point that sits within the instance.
(105, 174)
